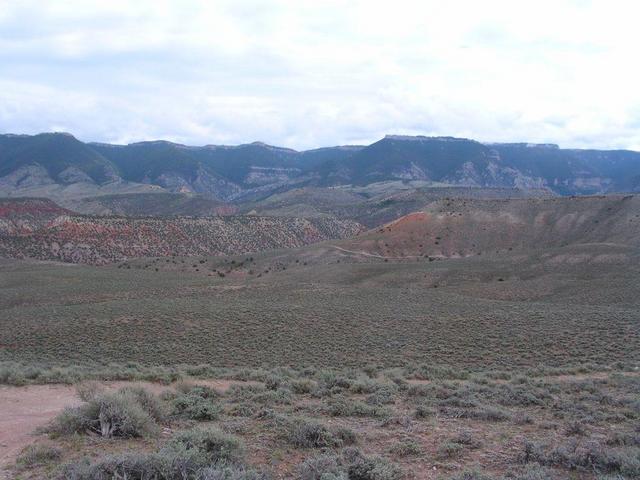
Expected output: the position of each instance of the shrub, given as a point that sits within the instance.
(467, 439)
(471, 475)
(308, 434)
(168, 464)
(575, 427)
(373, 468)
(194, 407)
(244, 409)
(148, 401)
(36, 455)
(198, 390)
(71, 420)
(241, 393)
(119, 414)
(424, 411)
(281, 396)
(585, 455)
(450, 449)
(195, 402)
(274, 382)
(321, 467)
(364, 385)
(624, 439)
(487, 414)
(344, 407)
(311, 434)
(382, 396)
(227, 472)
(87, 391)
(406, 448)
(534, 472)
(302, 386)
(214, 444)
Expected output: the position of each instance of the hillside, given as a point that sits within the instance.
(458, 227)
(374, 204)
(63, 168)
(151, 204)
(51, 233)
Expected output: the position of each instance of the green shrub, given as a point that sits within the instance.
(167, 464)
(471, 475)
(373, 468)
(214, 444)
(533, 472)
(450, 449)
(310, 434)
(244, 409)
(197, 390)
(305, 433)
(303, 386)
(195, 402)
(281, 396)
(149, 402)
(406, 448)
(341, 406)
(119, 414)
(37, 455)
(424, 411)
(588, 455)
(87, 391)
(321, 467)
(467, 439)
(194, 407)
(383, 396)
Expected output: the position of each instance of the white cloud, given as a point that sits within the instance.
(313, 73)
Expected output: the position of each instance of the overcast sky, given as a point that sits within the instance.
(314, 73)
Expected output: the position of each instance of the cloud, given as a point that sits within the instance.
(308, 74)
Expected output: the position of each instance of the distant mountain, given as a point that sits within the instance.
(462, 162)
(58, 166)
(58, 156)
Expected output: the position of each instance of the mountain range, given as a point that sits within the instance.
(59, 166)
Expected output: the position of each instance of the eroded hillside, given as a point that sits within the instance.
(40, 229)
(464, 227)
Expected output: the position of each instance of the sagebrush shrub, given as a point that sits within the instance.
(321, 467)
(39, 454)
(213, 443)
(120, 414)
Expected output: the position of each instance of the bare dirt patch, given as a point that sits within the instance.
(23, 410)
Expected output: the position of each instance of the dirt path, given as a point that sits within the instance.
(25, 409)
(373, 255)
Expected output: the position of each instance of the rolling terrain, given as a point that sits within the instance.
(491, 339)
(39, 229)
(458, 227)
(375, 204)
(151, 205)
(429, 286)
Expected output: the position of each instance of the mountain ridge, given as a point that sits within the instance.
(49, 163)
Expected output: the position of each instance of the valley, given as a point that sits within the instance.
(376, 321)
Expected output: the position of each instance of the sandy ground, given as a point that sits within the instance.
(25, 409)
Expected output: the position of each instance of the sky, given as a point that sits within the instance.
(305, 74)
